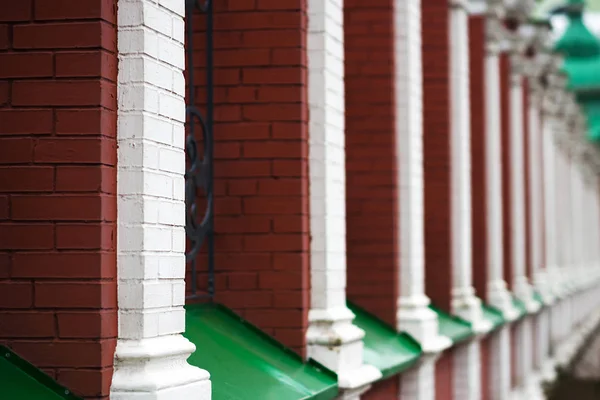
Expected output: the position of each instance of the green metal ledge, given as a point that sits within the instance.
(493, 315)
(387, 350)
(19, 380)
(457, 329)
(246, 364)
(520, 306)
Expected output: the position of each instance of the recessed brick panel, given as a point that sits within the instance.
(479, 215)
(261, 162)
(506, 162)
(436, 147)
(371, 180)
(57, 193)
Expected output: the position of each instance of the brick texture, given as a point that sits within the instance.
(384, 390)
(371, 181)
(261, 162)
(528, 188)
(506, 162)
(486, 378)
(478, 145)
(436, 147)
(444, 376)
(58, 70)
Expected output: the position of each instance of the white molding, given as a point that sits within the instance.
(331, 337)
(151, 355)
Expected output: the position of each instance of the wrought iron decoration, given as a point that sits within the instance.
(199, 156)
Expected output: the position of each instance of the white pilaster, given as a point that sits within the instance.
(332, 339)
(522, 288)
(151, 353)
(467, 371)
(414, 316)
(497, 292)
(500, 365)
(464, 302)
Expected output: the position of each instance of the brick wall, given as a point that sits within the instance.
(57, 159)
(506, 162)
(479, 213)
(486, 378)
(444, 376)
(371, 194)
(384, 390)
(436, 147)
(261, 164)
(528, 188)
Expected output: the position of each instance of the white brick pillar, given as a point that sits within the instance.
(151, 353)
(500, 366)
(497, 292)
(536, 196)
(464, 302)
(413, 314)
(521, 286)
(332, 338)
(467, 370)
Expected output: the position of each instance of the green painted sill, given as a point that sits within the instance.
(537, 296)
(520, 306)
(246, 364)
(387, 350)
(455, 328)
(493, 315)
(21, 380)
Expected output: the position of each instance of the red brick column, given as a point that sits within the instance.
(261, 164)
(528, 188)
(58, 69)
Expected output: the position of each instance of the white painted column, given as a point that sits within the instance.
(464, 302)
(500, 367)
(414, 316)
(522, 288)
(332, 338)
(151, 353)
(498, 294)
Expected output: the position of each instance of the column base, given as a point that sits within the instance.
(415, 318)
(157, 369)
(543, 287)
(468, 307)
(500, 298)
(336, 343)
(524, 292)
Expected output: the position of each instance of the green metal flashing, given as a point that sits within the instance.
(520, 306)
(455, 328)
(387, 350)
(245, 363)
(493, 315)
(21, 380)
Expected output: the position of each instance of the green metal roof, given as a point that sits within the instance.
(245, 363)
(577, 41)
(545, 7)
(19, 380)
(457, 329)
(384, 348)
(493, 315)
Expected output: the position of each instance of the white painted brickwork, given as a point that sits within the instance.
(418, 383)
(329, 319)
(467, 371)
(151, 211)
(500, 364)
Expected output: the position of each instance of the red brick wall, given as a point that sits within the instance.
(371, 157)
(478, 143)
(526, 133)
(58, 289)
(436, 109)
(388, 389)
(506, 162)
(444, 376)
(261, 164)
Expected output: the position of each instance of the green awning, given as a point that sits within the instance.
(19, 380)
(520, 306)
(493, 315)
(457, 329)
(385, 349)
(245, 363)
